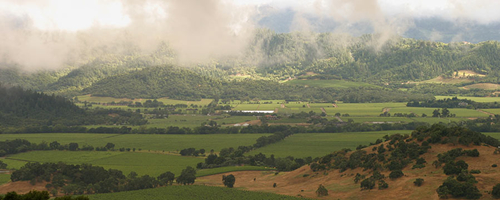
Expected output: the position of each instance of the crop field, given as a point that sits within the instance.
(477, 99)
(143, 163)
(320, 144)
(4, 178)
(145, 142)
(329, 83)
(192, 192)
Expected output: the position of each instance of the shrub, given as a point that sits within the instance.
(496, 191)
(382, 185)
(321, 191)
(418, 182)
(368, 184)
(494, 165)
(475, 171)
(396, 174)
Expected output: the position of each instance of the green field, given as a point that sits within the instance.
(206, 172)
(192, 192)
(378, 119)
(4, 178)
(143, 163)
(145, 141)
(493, 134)
(320, 144)
(330, 83)
(477, 99)
(495, 111)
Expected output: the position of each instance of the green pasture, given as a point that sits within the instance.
(495, 111)
(330, 83)
(145, 142)
(234, 119)
(219, 170)
(246, 106)
(320, 144)
(187, 120)
(459, 112)
(192, 192)
(13, 164)
(378, 119)
(493, 134)
(477, 99)
(362, 109)
(4, 178)
(142, 163)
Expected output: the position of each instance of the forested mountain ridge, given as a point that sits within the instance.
(270, 57)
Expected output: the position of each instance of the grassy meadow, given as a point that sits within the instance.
(193, 192)
(320, 144)
(144, 141)
(142, 163)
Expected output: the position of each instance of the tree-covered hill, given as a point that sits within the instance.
(23, 108)
(181, 83)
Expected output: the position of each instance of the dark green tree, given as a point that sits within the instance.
(166, 178)
(188, 176)
(228, 180)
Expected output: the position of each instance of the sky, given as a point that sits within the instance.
(75, 15)
(51, 32)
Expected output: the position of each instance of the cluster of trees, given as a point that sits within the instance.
(192, 152)
(88, 179)
(9, 147)
(439, 133)
(454, 102)
(38, 195)
(444, 113)
(459, 187)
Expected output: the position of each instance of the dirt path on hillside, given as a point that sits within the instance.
(308, 106)
(323, 110)
(488, 113)
(386, 110)
(338, 118)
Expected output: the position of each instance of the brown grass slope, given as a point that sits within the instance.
(304, 181)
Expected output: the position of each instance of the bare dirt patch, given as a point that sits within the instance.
(484, 86)
(22, 187)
